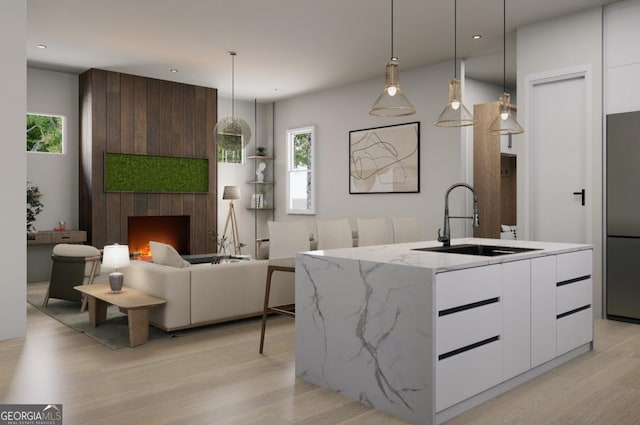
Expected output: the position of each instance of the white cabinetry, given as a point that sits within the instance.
(516, 318)
(543, 310)
(468, 326)
(574, 301)
(496, 322)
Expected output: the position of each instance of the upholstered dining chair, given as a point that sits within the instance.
(73, 265)
(405, 229)
(334, 234)
(286, 239)
(372, 231)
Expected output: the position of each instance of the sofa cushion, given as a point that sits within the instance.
(166, 255)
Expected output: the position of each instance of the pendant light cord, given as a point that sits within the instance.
(455, 38)
(392, 29)
(504, 45)
(233, 73)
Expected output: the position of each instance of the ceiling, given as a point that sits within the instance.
(284, 47)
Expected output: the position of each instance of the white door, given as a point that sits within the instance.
(559, 145)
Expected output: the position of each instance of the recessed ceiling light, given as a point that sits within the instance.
(476, 36)
(173, 70)
(41, 46)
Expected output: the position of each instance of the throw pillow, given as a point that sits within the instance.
(165, 254)
(510, 228)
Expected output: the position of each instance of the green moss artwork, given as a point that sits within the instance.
(151, 173)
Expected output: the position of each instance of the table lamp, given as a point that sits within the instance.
(116, 257)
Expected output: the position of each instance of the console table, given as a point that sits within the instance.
(52, 237)
(39, 246)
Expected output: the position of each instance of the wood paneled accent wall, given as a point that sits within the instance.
(494, 176)
(131, 114)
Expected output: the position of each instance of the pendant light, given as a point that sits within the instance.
(232, 133)
(392, 102)
(455, 114)
(504, 123)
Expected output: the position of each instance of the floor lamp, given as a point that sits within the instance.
(231, 193)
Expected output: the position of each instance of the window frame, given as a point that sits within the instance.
(290, 134)
(63, 133)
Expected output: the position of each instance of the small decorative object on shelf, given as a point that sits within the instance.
(61, 226)
(34, 206)
(260, 172)
(261, 151)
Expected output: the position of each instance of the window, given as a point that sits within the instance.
(230, 156)
(300, 187)
(44, 133)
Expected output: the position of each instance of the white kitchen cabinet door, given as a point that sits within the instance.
(543, 309)
(516, 318)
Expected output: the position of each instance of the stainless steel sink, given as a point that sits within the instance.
(471, 249)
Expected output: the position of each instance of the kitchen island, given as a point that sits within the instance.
(427, 335)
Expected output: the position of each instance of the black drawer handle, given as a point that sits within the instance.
(574, 311)
(468, 347)
(574, 280)
(468, 306)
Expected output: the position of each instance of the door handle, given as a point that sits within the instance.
(582, 195)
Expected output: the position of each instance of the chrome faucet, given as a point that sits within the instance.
(446, 238)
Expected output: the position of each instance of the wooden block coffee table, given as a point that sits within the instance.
(132, 301)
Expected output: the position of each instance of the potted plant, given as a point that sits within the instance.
(261, 151)
(34, 206)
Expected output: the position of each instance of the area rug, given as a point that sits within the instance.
(114, 332)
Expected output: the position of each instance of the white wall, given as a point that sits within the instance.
(56, 175)
(622, 57)
(13, 170)
(568, 42)
(336, 111)
(55, 93)
(240, 174)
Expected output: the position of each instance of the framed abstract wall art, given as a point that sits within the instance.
(385, 159)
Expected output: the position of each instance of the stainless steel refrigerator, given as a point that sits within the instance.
(623, 216)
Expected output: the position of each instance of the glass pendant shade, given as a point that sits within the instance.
(455, 114)
(392, 102)
(505, 123)
(232, 133)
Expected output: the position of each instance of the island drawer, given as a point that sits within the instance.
(574, 330)
(575, 294)
(467, 286)
(573, 265)
(467, 374)
(462, 329)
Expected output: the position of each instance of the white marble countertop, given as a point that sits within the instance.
(438, 261)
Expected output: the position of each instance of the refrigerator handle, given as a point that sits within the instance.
(582, 194)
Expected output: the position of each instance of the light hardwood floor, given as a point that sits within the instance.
(219, 378)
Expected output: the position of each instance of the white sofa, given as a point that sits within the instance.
(203, 294)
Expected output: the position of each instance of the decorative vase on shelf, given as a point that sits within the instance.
(261, 151)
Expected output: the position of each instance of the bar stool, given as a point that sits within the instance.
(285, 240)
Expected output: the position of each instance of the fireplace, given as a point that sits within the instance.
(170, 229)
